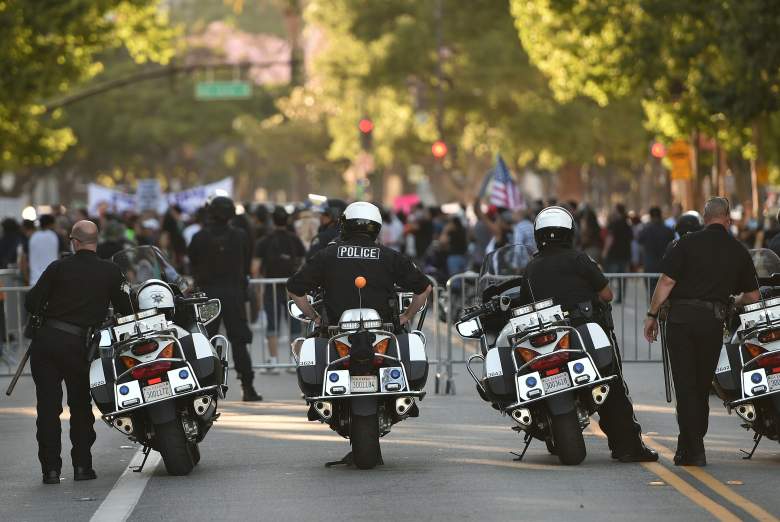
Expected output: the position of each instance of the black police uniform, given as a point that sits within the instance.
(572, 278)
(73, 295)
(220, 256)
(335, 268)
(708, 267)
(325, 236)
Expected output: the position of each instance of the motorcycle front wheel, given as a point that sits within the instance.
(364, 436)
(174, 448)
(568, 441)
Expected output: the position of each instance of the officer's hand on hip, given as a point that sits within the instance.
(651, 329)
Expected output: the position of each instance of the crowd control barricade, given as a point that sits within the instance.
(632, 297)
(13, 317)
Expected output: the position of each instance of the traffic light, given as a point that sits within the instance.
(439, 149)
(366, 128)
(657, 150)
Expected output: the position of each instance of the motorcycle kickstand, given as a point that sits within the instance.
(146, 451)
(519, 456)
(749, 455)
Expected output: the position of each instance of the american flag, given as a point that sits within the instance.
(503, 191)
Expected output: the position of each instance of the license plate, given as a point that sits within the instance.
(556, 382)
(774, 381)
(364, 384)
(155, 392)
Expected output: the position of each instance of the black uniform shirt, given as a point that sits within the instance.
(221, 257)
(566, 275)
(78, 289)
(709, 265)
(335, 268)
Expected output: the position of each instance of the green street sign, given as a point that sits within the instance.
(223, 90)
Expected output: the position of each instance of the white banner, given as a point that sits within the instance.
(149, 197)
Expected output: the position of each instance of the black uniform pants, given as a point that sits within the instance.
(694, 348)
(616, 415)
(56, 356)
(233, 315)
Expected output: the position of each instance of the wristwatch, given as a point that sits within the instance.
(650, 314)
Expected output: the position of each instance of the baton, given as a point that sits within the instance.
(19, 370)
(666, 363)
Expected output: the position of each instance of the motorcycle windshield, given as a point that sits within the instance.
(766, 261)
(503, 265)
(143, 263)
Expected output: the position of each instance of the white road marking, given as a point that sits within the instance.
(123, 497)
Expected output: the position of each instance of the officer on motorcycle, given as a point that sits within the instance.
(221, 257)
(329, 226)
(356, 253)
(574, 280)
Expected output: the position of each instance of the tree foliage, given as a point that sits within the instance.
(48, 48)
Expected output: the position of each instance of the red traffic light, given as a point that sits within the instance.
(439, 149)
(657, 150)
(365, 125)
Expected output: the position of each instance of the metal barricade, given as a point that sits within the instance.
(272, 327)
(13, 317)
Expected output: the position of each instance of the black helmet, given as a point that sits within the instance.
(553, 225)
(361, 218)
(334, 208)
(221, 209)
(688, 222)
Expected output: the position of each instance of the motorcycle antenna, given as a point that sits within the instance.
(360, 283)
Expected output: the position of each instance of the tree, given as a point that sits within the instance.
(48, 48)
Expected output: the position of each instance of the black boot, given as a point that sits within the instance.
(84, 473)
(51, 477)
(249, 394)
(640, 453)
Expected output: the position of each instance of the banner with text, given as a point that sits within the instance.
(150, 197)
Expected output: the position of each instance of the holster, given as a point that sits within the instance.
(719, 310)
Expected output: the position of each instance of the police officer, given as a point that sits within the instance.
(700, 273)
(329, 226)
(357, 253)
(71, 296)
(574, 280)
(221, 256)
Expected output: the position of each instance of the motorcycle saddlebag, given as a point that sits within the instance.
(597, 344)
(724, 376)
(101, 385)
(500, 374)
(312, 361)
(413, 356)
(200, 353)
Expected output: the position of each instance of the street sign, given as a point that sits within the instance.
(232, 90)
(680, 155)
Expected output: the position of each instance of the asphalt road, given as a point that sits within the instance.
(264, 461)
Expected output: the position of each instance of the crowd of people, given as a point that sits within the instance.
(442, 243)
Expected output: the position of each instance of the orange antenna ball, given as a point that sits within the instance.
(360, 282)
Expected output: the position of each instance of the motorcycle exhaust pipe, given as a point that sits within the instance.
(403, 405)
(747, 412)
(324, 408)
(522, 416)
(202, 405)
(124, 424)
(600, 394)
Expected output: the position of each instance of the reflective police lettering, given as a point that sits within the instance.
(357, 252)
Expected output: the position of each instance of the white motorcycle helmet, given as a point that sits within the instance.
(554, 225)
(361, 218)
(156, 294)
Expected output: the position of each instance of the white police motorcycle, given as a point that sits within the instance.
(547, 375)
(363, 377)
(747, 377)
(156, 376)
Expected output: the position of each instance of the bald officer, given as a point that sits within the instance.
(72, 294)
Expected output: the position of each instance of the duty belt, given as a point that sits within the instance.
(68, 328)
(718, 309)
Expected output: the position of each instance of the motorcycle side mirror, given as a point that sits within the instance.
(209, 311)
(469, 329)
(295, 311)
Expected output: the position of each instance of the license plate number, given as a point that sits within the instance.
(155, 392)
(774, 381)
(364, 384)
(556, 382)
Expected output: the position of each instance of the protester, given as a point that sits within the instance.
(44, 248)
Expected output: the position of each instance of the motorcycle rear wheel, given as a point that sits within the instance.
(364, 436)
(568, 441)
(174, 448)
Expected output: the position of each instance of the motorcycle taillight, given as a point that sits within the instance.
(151, 370)
(555, 360)
(543, 339)
(769, 361)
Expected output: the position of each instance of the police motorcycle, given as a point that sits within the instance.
(361, 376)
(156, 376)
(747, 377)
(547, 375)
